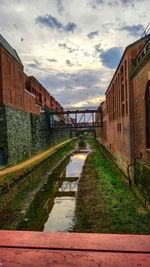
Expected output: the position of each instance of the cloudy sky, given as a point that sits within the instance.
(72, 46)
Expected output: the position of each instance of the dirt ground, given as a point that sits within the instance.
(35, 159)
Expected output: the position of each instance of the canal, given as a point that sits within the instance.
(75, 190)
(53, 206)
(62, 210)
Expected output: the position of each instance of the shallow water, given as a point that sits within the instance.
(53, 207)
(62, 213)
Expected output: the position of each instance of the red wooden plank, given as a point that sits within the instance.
(76, 241)
(42, 258)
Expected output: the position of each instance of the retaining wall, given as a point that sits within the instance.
(23, 134)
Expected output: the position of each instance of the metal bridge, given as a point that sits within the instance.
(81, 119)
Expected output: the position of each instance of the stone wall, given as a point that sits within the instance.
(43, 136)
(3, 132)
(38, 133)
(18, 135)
(23, 134)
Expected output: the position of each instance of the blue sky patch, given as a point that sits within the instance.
(111, 57)
(52, 22)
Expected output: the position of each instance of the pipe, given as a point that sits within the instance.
(128, 170)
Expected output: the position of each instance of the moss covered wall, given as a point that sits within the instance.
(43, 135)
(38, 133)
(23, 134)
(3, 132)
(18, 135)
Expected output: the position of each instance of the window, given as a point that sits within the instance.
(147, 100)
(118, 127)
(123, 110)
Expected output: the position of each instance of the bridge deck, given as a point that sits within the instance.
(73, 249)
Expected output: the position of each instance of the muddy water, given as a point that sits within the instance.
(54, 206)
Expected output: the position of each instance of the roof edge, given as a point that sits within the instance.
(127, 47)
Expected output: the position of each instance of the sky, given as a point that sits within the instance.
(72, 46)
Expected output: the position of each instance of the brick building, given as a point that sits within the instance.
(25, 110)
(140, 109)
(125, 130)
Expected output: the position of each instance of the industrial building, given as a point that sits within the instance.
(125, 130)
(25, 110)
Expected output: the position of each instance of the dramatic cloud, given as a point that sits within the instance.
(68, 63)
(111, 57)
(134, 30)
(69, 49)
(68, 86)
(72, 47)
(52, 22)
(98, 3)
(35, 65)
(51, 59)
(95, 3)
(129, 2)
(70, 27)
(91, 35)
(98, 48)
(63, 45)
(60, 7)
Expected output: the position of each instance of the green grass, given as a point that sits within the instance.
(125, 210)
(120, 208)
(20, 196)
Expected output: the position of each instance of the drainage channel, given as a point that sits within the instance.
(53, 208)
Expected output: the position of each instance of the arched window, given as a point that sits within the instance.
(147, 99)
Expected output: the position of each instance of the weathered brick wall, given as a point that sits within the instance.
(117, 117)
(12, 81)
(139, 83)
(29, 103)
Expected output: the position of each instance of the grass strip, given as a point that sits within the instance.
(105, 200)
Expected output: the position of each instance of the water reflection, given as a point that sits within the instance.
(61, 216)
(53, 208)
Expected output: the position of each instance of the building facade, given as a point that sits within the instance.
(125, 131)
(25, 110)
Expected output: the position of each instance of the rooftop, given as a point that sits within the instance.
(145, 38)
(9, 49)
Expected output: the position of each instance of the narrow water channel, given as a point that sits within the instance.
(62, 213)
(53, 208)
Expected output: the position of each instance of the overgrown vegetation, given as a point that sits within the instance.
(81, 141)
(105, 203)
(15, 202)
